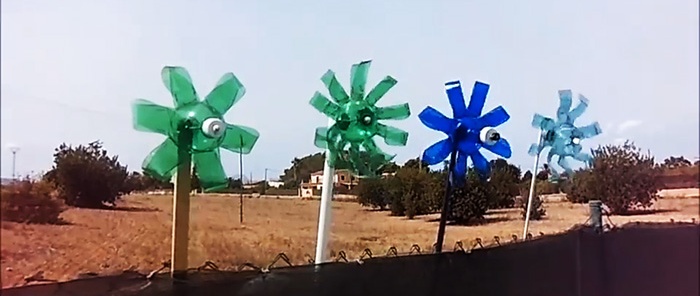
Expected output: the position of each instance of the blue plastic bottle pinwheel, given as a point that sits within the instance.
(562, 136)
(467, 132)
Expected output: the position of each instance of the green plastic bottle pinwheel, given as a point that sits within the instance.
(194, 127)
(357, 118)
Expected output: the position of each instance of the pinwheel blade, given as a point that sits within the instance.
(179, 83)
(584, 157)
(396, 112)
(495, 117)
(564, 105)
(534, 150)
(543, 123)
(375, 152)
(161, 162)
(150, 117)
(438, 152)
(590, 130)
(325, 106)
(240, 139)
(336, 90)
(563, 163)
(456, 98)
(478, 99)
(226, 93)
(211, 173)
(433, 119)
(579, 109)
(501, 148)
(380, 90)
(460, 171)
(321, 137)
(392, 136)
(358, 80)
(480, 163)
(357, 163)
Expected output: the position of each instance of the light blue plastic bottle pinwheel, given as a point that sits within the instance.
(562, 136)
(467, 131)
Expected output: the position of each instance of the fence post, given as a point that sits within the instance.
(596, 209)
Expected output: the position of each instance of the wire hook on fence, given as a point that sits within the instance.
(392, 252)
(459, 247)
(414, 249)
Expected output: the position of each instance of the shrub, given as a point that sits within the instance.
(371, 192)
(505, 181)
(29, 201)
(537, 210)
(622, 177)
(86, 176)
(471, 201)
(416, 196)
(578, 188)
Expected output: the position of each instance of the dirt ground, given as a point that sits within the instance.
(137, 235)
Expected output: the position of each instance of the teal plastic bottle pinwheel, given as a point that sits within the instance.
(562, 136)
(196, 126)
(357, 121)
(467, 132)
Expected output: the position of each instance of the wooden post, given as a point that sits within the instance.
(181, 208)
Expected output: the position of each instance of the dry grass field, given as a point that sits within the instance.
(137, 235)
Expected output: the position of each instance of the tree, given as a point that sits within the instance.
(579, 188)
(372, 192)
(622, 177)
(416, 163)
(676, 162)
(505, 180)
(527, 177)
(537, 210)
(471, 201)
(543, 174)
(86, 176)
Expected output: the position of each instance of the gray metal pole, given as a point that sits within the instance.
(596, 208)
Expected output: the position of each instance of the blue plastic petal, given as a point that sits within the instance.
(495, 117)
(456, 97)
(460, 171)
(564, 105)
(437, 152)
(579, 109)
(534, 150)
(435, 120)
(480, 164)
(565, 165)
(590, 130)
(542, 122)
(501, 148)
(476, 102)
(584, 157)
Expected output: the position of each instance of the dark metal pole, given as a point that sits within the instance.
(240, 175)
(445, 203)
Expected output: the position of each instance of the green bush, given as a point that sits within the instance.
(29, 201)
(471, 201)
(621, 176)
(371, 192)
(578, 188)
(86, 176)
(537, 210)
(505, 182)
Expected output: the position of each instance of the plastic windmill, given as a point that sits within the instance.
(356, 120)
(467, 132)
(195, 131)
(563, 138)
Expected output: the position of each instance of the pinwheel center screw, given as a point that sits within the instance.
(575, 140)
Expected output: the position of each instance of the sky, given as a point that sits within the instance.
(72, 68)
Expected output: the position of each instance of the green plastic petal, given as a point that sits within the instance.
(358, 80)
(150, 117)
(226, 93)
(380, 90)
(179, 82)
(358, 165)
(161, 162)
(211, 173)
(321, 137)
(397, 112)
(392, 136)
(376, 154)
(325, 106)
(239, 138)
(336, 90)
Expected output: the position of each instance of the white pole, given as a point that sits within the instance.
(532, 186)
(324, 214)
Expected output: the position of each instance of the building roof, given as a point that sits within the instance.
(320, 173)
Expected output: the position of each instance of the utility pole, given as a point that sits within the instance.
(14, 149)
(264, 189)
